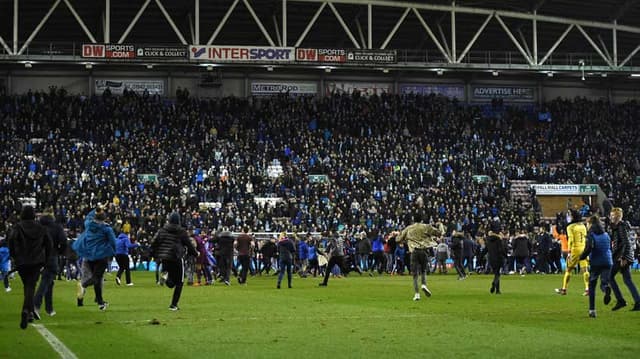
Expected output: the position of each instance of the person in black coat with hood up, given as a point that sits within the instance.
(497, 252)
(170, 245)
(59, 243)
(30, 247)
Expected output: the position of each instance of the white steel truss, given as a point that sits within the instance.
(451, 51)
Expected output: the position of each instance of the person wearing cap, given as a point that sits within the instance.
(420, 237)
(96, 245)
(30, 248)
(59, 243)
(170, 245)
(577, 235)
(497, 252)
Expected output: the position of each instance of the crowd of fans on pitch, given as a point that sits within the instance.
(386, 158)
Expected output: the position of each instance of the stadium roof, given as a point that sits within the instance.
(588, 25)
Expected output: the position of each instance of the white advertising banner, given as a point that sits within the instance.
(277, 87)
(565, 189)
(242, 54)
(139, 86)
(365, 88)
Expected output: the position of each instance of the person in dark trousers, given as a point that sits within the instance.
(335, 249)
(30, 247)
(457, 250)
(123, 245)
(420, 238)
(268, 251)
(243, 245)
(169, 246)
(96, 245)
(622, 259)
(497, 253)
(286, 254)
(598, 249)
(522, 251)
(377, 247)
(468, 249)
(544, 243)
(225, 243)
(47, 281)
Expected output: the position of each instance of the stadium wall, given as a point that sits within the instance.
(238, 82)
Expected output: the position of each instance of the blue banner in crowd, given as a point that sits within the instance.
(450, 91)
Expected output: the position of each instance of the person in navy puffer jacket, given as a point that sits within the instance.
(96, 245)
(123, 245)
(598, 249)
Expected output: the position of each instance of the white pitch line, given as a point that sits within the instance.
(55, 343)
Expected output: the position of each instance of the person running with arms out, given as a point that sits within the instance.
(577, 233)
(169, 246)
(419, 238)
(598, 249)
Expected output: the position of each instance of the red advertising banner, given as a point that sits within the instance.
(109, 51)
(321, 55)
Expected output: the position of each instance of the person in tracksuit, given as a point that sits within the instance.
(598, 249)
(123, 245)
(170, 245)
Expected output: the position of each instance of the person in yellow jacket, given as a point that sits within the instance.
(577, 234)
(420, 238)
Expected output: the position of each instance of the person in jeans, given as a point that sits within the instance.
(30, 247)
(598, 249)
(622, 259)
(286, 253)
(59, 243)
(96, 245)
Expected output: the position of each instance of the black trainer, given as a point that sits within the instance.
(607, 296)
(24, 319)
(619, 305)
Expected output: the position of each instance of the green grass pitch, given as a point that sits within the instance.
(354, 317)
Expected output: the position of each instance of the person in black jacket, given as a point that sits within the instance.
(170, 245)
(225, 242)
(59, 242)
(30, 248)
(622, 259)
(268, 251)
(286, 253)
(544, 243)
(457, 249)
(497, 254)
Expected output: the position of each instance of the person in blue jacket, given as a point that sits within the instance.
(5, 265)
(123, 245)
(96, 245)
(598, 249)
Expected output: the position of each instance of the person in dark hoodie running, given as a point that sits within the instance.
(30, 247)
(169, 246)
(336, 252)
(598, 249)
(96, 245)
(123, 245)
(59, 243)
(497, 252)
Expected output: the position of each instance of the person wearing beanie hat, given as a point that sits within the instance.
(169, 246)
(96, 245)
(30, 247)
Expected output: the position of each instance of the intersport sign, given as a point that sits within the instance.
(241, 53)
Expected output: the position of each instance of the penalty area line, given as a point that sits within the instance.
(55, 343)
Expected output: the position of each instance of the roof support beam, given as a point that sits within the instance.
(433, 37)
(453, 54)
(285, 25)
(631, 55)
(6, 48)
(443, 38)
(310, 24)
(484, 11)
(38, 27)
(133, 22)
(514, 40)
(535, 37)
(555, 45)
(192, 31)
(475, 37)
(222, 22)
(79, 20)
(615, 43)
(604, 48)
(344, 25)
(170, 21)
(15, 27)
(369, 26)
(275, 26)
(197, 25)
(257, 20)
(106, 26)
(524, 43)
(395, 28)
(593, 44)
(360, 33)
